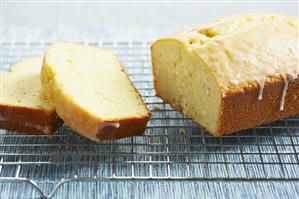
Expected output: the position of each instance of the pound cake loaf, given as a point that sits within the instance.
(231, 74)
(91, 92)
(22, 107)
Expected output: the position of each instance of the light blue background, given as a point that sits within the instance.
(75, 20)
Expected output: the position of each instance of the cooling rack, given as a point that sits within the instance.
(172, 147)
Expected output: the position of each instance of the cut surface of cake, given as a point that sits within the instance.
(91, 92)
(231, 74)
(22, 107)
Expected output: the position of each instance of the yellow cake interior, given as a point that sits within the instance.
(93, 79)
(186, 84)
(21, 85)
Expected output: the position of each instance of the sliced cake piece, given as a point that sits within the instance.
(91, 92)
(231, 74)
(22, 107)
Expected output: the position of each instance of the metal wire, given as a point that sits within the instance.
(172, 148)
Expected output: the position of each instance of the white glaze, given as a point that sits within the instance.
(247, 49)
(249, 53)
(261, 84)
(275, 66)
(234, 82)
(284, 92)
(114, 124)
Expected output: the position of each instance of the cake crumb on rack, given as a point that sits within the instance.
(157, 107)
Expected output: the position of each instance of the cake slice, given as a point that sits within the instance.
(231, 74)
(91, 92)
(22, 107)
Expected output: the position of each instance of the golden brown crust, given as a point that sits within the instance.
(27, 120)
(241, 109)
(128, 127)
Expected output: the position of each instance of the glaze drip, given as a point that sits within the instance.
(261, 84)
(287, 79)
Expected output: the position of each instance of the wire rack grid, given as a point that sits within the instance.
(172, 147)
